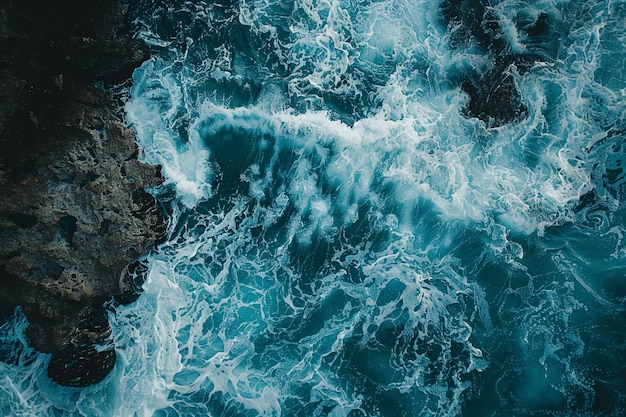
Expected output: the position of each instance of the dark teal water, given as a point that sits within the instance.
(378, 208)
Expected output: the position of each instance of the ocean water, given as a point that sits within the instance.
(377, 208)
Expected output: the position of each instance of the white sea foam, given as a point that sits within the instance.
(340, 228)
(413, 147)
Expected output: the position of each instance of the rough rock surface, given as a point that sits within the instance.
(74, 212)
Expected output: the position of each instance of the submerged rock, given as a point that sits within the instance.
(493, 95)
(73, 207)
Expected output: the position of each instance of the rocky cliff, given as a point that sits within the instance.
(74, 213)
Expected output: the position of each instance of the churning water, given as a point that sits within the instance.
(378, 208)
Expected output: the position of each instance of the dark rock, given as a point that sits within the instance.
(21, 220)
(81, 366)
(66, 228)
(133, 278)
(87, 356)
(52, 269)
(494, 99)
(73, 208)
(493, 95)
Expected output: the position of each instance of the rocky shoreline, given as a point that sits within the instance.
(74, 211)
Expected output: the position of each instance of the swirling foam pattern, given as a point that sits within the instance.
(350, 237)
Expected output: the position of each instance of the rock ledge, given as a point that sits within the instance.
(74, 212)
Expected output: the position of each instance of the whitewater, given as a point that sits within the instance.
(377, 208)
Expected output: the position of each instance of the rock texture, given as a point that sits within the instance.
(74, 212)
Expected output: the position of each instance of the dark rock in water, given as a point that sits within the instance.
(82, 366)
(80, 362)
(493, 95)
(135, 276)
(73, 207)
(494, 99)
(470, 21)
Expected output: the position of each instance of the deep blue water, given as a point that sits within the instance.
(378, 208)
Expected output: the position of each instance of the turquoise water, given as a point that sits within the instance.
(378, 208)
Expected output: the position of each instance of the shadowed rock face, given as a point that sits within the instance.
(73, 207)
